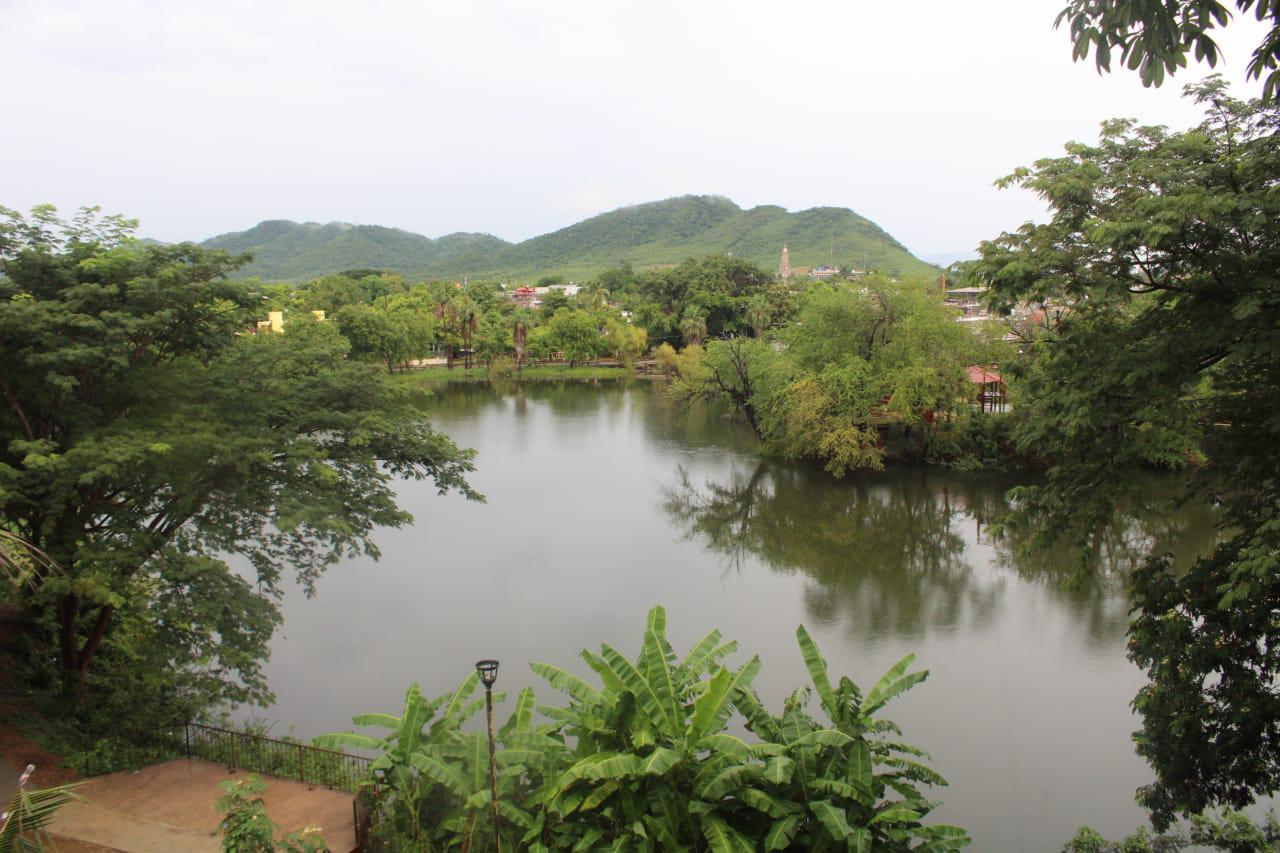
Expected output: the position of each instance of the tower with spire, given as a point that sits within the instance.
(784, 268)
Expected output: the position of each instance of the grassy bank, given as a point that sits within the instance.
(434, 375)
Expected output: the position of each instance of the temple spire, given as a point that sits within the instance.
(784, 268)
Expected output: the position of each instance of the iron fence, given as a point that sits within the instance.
(286, 759)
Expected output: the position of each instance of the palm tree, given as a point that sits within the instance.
(693, 327)
(758, 315)
(24, 826)
(595, 296)
(22, 563)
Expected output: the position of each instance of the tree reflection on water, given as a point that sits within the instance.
(909, 551)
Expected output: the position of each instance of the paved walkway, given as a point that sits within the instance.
(170, 807)
(8, 782)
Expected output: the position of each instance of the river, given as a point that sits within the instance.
(602, 503)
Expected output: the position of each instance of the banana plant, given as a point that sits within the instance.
(652, 767)
(642, 761)
(432, 777)
(826, 788)
(401, 789)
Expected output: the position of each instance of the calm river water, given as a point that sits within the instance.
(601, 504)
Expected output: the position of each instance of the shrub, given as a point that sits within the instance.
(246, 827)
(501, 367)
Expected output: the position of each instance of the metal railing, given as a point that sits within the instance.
(286, 759)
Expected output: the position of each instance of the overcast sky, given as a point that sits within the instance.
(518, 118)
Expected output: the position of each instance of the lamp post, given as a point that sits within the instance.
(488, 671)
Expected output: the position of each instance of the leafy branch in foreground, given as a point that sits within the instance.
(24, 825)
(1155, 38)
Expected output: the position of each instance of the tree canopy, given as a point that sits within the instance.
(146, 437)
(859, 357)
(1158, 268)
(1155, 36)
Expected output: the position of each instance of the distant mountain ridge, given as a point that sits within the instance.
(653, 234)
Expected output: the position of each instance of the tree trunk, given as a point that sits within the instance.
(75, 659)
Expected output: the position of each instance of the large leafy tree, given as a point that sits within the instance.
(859, 359)
(714, 291)
(143, 437)
(1160, 264)
(1155, 36)
(575, 334)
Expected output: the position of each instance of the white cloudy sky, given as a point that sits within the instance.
(517, 118)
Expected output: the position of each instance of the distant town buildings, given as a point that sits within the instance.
(968, 301)
(275, 321)
(824, 271)
(531, 297)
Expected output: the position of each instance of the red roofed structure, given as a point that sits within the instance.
(992, 396)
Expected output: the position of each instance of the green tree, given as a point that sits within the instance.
(575, 334)
(1155, 36)
(619, 279)
(624, 340)
(858, 360)
(1232, 831)
(144, 439)
(758, 315)
(731, 370)
(693, 327)
(355, 287)
(374, 332)
(715, 288)
(1159, 264)
(554, 302)
(594, 296)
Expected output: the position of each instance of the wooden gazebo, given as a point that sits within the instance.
(992, 395)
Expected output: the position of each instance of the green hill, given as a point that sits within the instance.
(653, 234)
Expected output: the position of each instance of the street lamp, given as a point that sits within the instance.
(488, 672)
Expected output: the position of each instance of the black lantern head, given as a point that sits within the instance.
(488, 670)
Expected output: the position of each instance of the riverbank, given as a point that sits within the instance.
(536, 373)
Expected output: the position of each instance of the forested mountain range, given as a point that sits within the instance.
(654, 234)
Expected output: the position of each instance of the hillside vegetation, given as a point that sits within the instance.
(654, 234)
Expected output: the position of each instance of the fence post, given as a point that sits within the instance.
(186, 731)
(234, 740)
(302, 765)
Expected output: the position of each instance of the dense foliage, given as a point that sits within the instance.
(1155, 36)
(1231, 831)
(658, 233)
(146, 437)
(1158, 270)
(861, 358)
(709, 297)
(644, 761)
